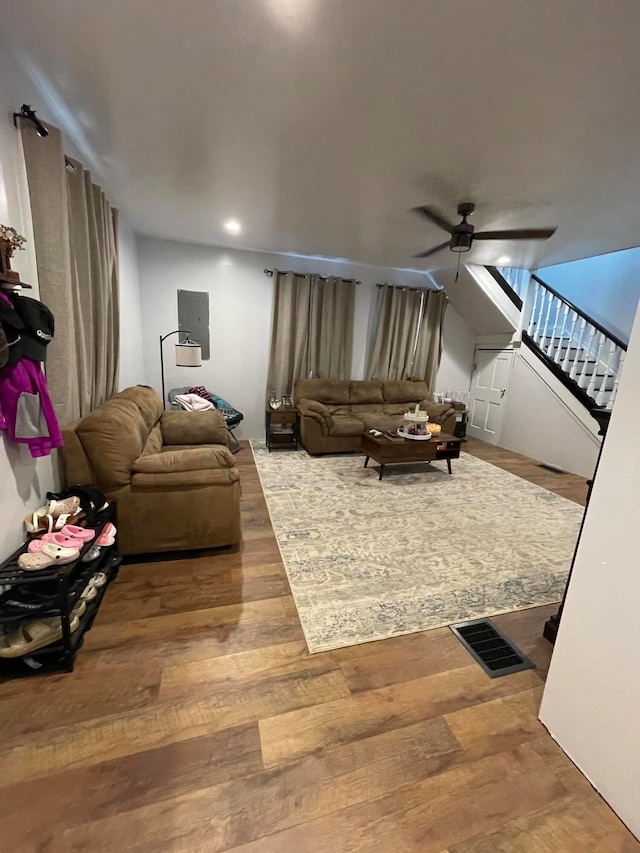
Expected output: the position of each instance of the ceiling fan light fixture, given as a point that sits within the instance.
(461, 241)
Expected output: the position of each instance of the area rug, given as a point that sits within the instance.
(369, 559)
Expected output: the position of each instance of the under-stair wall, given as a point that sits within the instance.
(544, 421)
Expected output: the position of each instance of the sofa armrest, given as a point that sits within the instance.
(318, 411)
(194, 428)
(438, 412)
(177, 461)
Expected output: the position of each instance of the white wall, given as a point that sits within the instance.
(23, 480)
(544, 421)
(607, 287)
(131, 350)
(591, 702)
(240, 318)
(457, 353)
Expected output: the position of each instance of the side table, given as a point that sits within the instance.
(281, 429)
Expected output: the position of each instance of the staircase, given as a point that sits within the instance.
(584, 356)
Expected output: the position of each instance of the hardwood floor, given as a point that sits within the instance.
(197, 721)
(568, 485)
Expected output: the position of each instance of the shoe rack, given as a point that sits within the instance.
(65, 585)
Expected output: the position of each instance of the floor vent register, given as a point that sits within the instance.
(491, 649)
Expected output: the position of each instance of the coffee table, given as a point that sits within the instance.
(386, 451)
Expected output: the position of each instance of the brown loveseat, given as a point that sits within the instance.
(335, 413)
(171, 474)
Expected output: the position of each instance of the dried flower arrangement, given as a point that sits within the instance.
(11, 240)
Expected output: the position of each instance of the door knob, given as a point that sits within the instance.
(503, 391)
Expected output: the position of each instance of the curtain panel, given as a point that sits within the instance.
(311, 329)
(408, 337)
(75, 234)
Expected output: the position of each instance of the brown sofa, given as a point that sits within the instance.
(171, 474)
(335, 413)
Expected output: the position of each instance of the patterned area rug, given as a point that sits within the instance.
(420, 549)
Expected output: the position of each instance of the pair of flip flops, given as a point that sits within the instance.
(37, 633)
(53, 516)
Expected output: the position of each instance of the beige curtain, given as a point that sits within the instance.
(75, 233)
(408, 339)
(331, 328)
(394, 346)
(311, 329)
(429, 344)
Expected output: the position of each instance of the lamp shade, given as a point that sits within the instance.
(188, 354)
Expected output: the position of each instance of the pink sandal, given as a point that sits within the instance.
(108, 535)
(84, 533)
(57, 539)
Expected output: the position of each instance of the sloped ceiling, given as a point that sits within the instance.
(318, 124)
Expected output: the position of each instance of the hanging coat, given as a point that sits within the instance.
(26, 410)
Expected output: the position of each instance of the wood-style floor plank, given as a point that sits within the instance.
(197, 721)
(291, 735)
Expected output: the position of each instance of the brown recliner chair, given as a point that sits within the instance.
(171, 474)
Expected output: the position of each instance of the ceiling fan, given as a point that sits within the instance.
(463, 234)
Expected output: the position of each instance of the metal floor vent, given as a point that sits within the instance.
(491, 649)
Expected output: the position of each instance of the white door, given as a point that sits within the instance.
(489, 387)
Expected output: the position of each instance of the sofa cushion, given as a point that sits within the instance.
(323, 390)
(378, 420)
(214, 456)
(112, 437)
(404, 391)
(395, 408)
(344, 425)
(337, 410)
(365, 391)
(184, 480)
(194, 428)
(366, 407)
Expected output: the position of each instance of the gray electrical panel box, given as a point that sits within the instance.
(193, 314)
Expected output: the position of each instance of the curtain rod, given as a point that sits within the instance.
(406, 287)
(321, 277)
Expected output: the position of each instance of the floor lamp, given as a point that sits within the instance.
(188, 354)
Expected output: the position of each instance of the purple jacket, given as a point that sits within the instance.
(26, 410)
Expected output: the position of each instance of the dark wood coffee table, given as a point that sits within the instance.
(386, 451)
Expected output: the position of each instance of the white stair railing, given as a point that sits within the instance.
(572, 341)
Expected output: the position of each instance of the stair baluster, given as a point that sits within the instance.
(564, 311)
(575, 367)
(544, 346)
(600, 344)
(540, 322)
(585, 377)
(566, 364)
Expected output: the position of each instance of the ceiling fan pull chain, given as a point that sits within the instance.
(458, 267)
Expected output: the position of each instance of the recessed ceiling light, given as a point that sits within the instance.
(232, 226)
(504, 260)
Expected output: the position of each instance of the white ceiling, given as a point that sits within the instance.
(319, 123)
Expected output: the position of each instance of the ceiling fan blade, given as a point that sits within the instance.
(517, 234)
(435, 217)
(432, 251)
